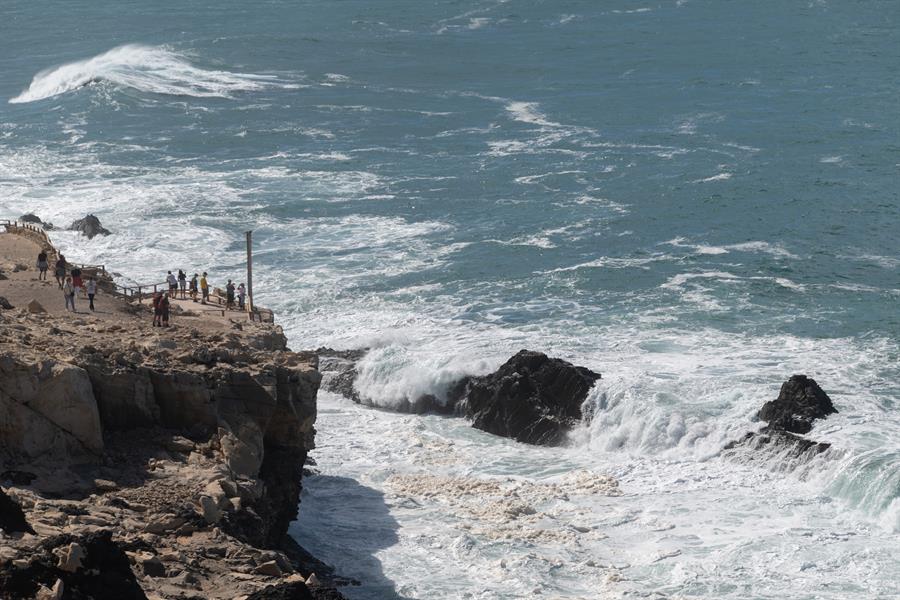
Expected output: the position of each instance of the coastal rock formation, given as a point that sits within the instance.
(89, 226)
(531, 398)
(340, 365)
(185, 450)
(66, 566)
(12, 519)
(36, 220)
(47, 410)
(800, 403)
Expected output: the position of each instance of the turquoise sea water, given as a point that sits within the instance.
(696, 198)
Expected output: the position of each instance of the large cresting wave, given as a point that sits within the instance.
(153, 69)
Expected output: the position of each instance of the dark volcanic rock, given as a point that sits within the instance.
(531, 398)
(781, 441)
(800, 402)
(4, 304)
(89, 226)
(104, 571)
(12, 518)
(31, 218)
(340, 365)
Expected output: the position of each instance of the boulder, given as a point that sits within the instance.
(48, 410)
(4, 304)
(12, 517)
(341, 368)
(35, 307)
(31, 218)
(531, 398)
(800, 402)
(89, 226)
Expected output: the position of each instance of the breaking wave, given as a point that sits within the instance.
(153, 69)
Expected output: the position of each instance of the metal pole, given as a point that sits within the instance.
(250, 272)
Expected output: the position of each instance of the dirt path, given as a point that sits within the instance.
(22, 286)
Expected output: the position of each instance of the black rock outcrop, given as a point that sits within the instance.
(800, 402)
(531, 398)
(32, 218)
(12, 518)
(341, 368)
(89, 226)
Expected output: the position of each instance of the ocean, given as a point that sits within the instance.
(695, 198)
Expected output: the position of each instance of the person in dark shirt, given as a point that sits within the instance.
(60, 270)
(42, 265)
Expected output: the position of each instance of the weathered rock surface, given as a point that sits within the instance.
(531, 398)
(800, 403)
(101, 570)
(47, 410)
(192, 467)
(89, 226)
(12, 519)
(340, 365)
(34, 307)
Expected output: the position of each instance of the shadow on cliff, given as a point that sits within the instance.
(345, 524)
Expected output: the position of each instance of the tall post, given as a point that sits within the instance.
(250, 272)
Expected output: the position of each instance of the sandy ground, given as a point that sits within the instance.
(21, 287)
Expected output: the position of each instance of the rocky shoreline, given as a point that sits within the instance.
(142, 463)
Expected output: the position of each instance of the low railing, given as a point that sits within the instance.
(129, 293)
(17, 227)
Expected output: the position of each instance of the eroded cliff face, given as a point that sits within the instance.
(175, 443)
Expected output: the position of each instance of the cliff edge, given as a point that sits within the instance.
(160, 463)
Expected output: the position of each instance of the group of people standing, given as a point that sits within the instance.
(70, 281)
(198, 284)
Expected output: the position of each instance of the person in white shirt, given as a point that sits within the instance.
(69, 293)
(91, 288)
(173, 284)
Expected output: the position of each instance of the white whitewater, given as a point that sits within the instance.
(153, 69)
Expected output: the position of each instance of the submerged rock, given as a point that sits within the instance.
(89, 226)
(531, 398)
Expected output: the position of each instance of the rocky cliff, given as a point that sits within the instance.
(183, 447)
